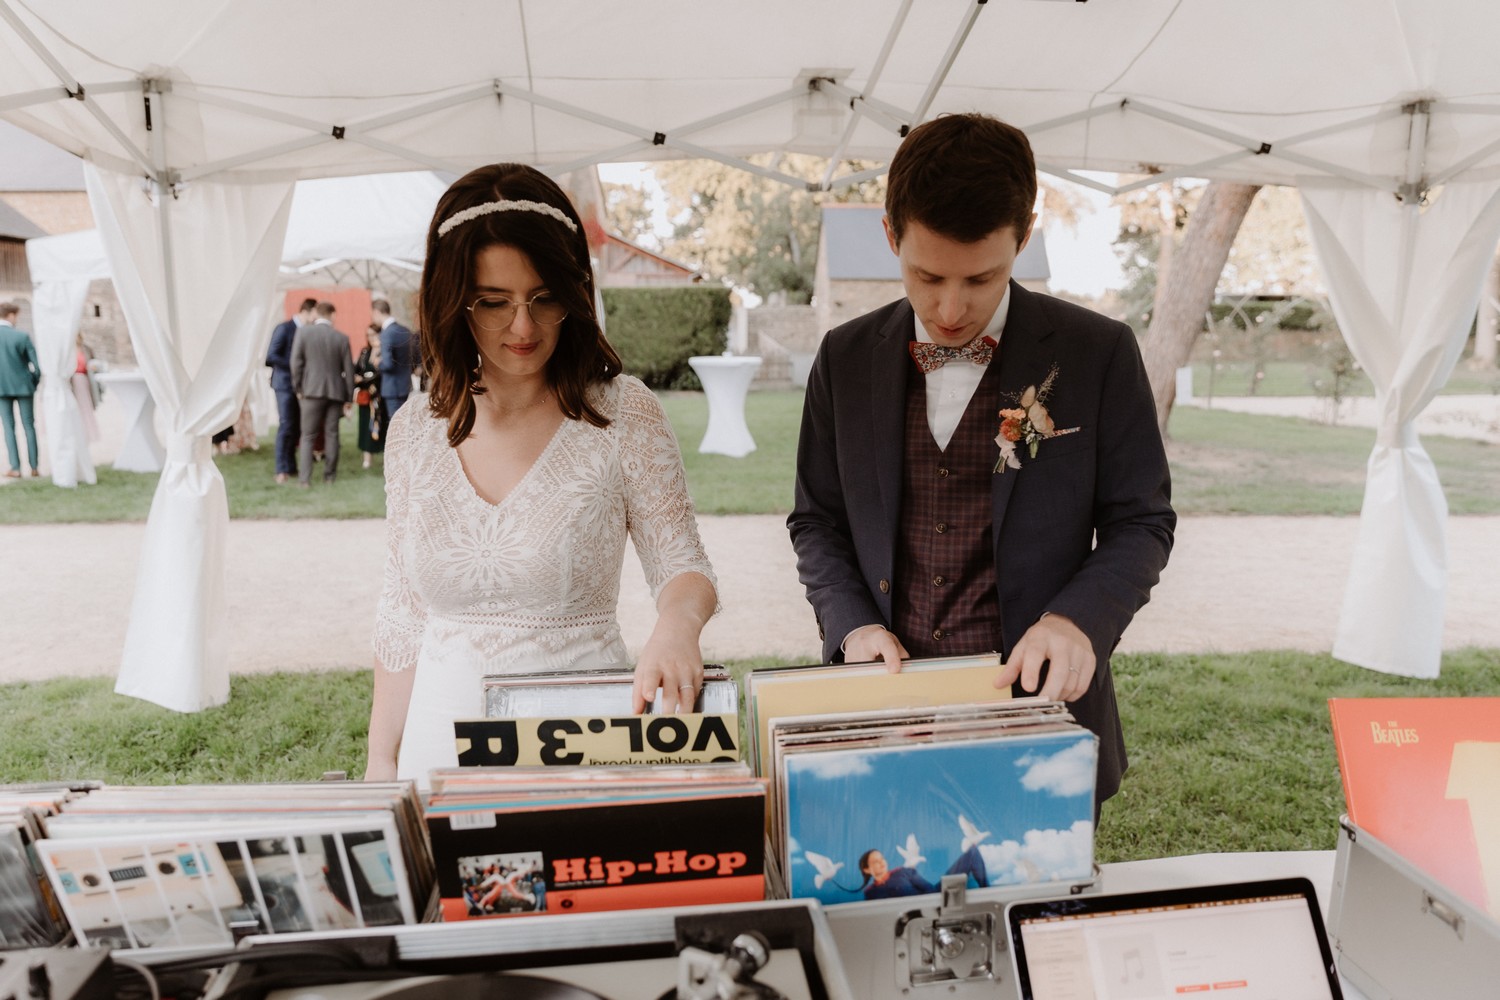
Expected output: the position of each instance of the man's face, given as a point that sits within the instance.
(955, 287)
(307, 316)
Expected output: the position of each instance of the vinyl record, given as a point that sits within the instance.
(492, 986)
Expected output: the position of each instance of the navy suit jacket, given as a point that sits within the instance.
(1081, 530)
(279, 355)
(395, 360)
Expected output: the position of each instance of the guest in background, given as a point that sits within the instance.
(396, 357)
(20, 373)
(323, 375)
(288, 410)
(83, 391)
(367, 397)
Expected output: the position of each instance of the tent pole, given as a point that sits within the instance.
(897, 23)
(165, 193)
(73, 87)
(919, 113)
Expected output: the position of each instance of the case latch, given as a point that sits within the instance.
(959, 942)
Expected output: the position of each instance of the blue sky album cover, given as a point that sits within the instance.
(889, 821)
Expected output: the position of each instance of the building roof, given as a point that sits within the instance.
(34, 164)
(15, 226)
(856, 248)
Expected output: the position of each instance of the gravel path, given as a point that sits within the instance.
(1234, 583)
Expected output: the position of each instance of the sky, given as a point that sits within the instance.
(1082, 262)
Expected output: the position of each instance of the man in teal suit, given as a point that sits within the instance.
(19, 374)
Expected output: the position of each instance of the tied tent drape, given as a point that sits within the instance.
(1404, 282)
(195, 270)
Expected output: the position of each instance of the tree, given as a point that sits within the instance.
(627, 210)
(1189, 288)
(760, 234)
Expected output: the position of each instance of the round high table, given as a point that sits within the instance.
(141, 451)
(726, 380)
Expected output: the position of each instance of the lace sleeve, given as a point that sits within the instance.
(401, 617)
(658, 507)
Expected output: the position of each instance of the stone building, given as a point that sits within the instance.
(43, 186)
(856, 273)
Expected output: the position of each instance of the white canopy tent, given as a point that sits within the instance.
(198, 119)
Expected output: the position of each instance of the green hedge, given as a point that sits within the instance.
(656, 330)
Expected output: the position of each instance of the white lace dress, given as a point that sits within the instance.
(531, 583)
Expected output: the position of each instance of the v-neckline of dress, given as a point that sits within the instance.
(494, 505)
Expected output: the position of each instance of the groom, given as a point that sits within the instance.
(979, 466)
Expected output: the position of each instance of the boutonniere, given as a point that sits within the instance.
(1029, 423)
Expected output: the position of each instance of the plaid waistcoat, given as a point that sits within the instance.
(946, 602)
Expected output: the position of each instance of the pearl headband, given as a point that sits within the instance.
(488, 208)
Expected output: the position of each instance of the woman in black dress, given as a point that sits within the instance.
(367, 397)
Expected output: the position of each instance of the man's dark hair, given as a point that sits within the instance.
(307, 304)
(963, 177)
(325, 309)
(381, 306)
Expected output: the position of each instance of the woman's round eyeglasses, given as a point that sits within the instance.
(496, 312)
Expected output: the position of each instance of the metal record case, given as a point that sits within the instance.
(1399, 935)
(947, 946)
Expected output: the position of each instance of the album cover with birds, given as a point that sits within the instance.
(886, 821)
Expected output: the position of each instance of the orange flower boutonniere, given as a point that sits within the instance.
(1028, 423)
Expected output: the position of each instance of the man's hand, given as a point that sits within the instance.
(874, 642)
(1054, 640)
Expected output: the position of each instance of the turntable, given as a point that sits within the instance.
(770, 951)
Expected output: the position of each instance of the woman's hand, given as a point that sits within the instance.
(381, 770)
(671, 659)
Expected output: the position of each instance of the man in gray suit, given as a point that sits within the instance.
(323, 376)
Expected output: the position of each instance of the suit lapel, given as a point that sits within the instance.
(1023, 361)
(890, 367)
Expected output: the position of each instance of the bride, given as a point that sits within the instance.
(509, 496)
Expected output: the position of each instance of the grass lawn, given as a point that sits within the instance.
(1227, 752)
(1222, 463)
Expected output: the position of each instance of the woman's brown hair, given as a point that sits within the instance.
(561, 258)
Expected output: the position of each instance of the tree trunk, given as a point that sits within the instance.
(1489, 312)
(1196, 268)
(1166, 244)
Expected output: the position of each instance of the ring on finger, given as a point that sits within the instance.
(685, 687)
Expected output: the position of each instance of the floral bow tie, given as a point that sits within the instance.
(931, 357)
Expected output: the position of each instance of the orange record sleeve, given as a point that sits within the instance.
(1422, 775)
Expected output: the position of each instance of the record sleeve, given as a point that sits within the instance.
(891, 819)
(509, 859)
(568, 694)
(823, 688)
(1420, 774)
(201, 889)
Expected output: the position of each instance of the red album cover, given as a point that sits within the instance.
(1422, 775)
(668, 852)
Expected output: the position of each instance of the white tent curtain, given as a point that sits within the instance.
(61, 269)
(194, 270)
(1404, 282)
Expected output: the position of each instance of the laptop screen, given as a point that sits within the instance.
(1247, 941)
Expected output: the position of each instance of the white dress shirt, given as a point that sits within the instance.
(950, 387)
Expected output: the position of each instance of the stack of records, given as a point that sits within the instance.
(850, 687)
(876, 803)
(525, 840)
(30, 916)
(202, 866)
